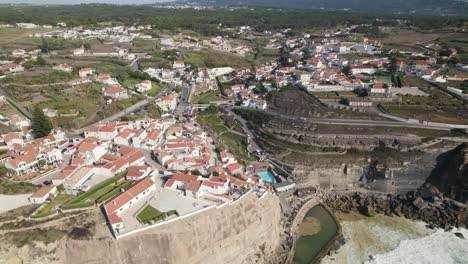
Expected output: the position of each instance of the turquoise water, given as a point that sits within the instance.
(267, 177)
(309, 246)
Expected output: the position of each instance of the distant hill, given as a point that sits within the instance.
(439, 7)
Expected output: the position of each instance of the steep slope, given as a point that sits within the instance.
(450, 175)
(247, 231)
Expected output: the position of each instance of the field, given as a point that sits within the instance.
(13, 38)
(297, 102)
(457, 41)
(438, 107)
(233, 141)
(105, 189)
(205, 98)
(212, 59)
(48, 208)
(149, 213)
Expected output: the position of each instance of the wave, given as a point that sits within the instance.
(439, 247)
(383, 239)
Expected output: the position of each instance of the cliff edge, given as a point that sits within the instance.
(247, 231)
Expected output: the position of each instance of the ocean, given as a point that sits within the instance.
(395, 240)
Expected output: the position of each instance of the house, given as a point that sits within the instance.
(124, 200)
(379, 89)
(360, 102)
(167, 102)
(79, 51)
(41, 195)
(178, 65)
(11, 68)
(257, 103)
(78, 81)
(63, 67)
(73, 184)
(106, 79)
(104, 132)
(284, 187)
(84, 72)
(12, 138)
(421, 64)
(367, 69)
(458, 77)
(235, 168)
(185, 182)
(144, 86)
(18, 53)
(136, 173)
(115, 92)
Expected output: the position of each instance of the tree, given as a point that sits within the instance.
(40, 123)
(346, 70)
(344, 101)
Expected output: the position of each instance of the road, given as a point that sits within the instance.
(352, 122)
(183, 101)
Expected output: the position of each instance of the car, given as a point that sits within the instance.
(71, 146)
(47, 183)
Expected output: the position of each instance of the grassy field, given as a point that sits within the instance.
(13, 38)
(438, 107)
(235, 143)
(149, 213)
(90, 197)
(205, 98)
(457, 41)
(212, 59)
(48, 209)
(39, 235)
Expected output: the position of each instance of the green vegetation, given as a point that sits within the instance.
(92, 196)
(114, 192)
(213, 59)
(205, 98)
(438, 107)
(235, 142)
(46, 236)
(458, 42)
(149, 214)
(40, 123)
(49, 208)
(10, 187)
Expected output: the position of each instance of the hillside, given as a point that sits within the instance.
(440, 7)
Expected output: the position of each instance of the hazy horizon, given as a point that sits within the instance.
(72, 2)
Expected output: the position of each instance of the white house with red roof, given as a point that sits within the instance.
(63, 67)
(12, 138)
(167, 102)
(136, 173)
(104, 132)
(11, 67)
(144, 86)
(18, 53)
(124, 200)
(106, 79)
(84, 72)
(115, 92)
(43, 194)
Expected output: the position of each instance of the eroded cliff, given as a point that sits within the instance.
(247, 231)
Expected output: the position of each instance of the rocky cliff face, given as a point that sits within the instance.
(245, 232)
(450, 174)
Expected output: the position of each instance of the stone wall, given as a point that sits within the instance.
(245, 232)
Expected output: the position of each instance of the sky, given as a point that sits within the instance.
(136, 2)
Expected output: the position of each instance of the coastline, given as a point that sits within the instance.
(354, 207)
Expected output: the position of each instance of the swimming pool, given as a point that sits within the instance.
(267, 177)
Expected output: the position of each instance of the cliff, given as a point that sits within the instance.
(247, 231)
(450, 174)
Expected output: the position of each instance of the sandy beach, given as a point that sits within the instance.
(9, 202)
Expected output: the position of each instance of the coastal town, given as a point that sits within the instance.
(149, 127)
